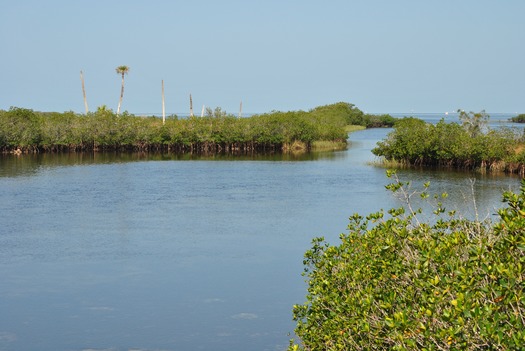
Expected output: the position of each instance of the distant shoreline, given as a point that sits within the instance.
(27, 131)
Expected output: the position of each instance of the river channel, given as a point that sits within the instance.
(136, 252)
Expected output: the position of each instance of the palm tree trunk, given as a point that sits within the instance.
(163, 106)
(121, 95)
(84, 92)
(191, 107)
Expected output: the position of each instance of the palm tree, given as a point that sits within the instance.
(123, 70)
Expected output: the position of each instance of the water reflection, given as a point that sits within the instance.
(473, 195)
(30, 164)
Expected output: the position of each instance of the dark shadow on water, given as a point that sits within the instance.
(30, 164)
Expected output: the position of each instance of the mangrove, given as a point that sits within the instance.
(27, 131)
(470, 145)
(519, 118)
(400, 281)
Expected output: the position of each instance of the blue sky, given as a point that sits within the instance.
(383, 56)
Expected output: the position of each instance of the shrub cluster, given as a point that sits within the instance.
(414, 142)
(27, 130)
(353, 116)
(403, 284)
(519, 118)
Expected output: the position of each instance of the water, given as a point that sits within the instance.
(495, 119)
(137, 252)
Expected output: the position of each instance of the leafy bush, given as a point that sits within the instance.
(348, 114)
(409, 142)
(404, 284)
(378, 121)
(415, 142)
(19, 127)
(344, 112)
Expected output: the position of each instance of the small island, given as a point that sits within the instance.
(468, 145)
(519, 118)
(27, 131)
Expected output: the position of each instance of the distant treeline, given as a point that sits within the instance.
(24, 130)
(469, 145)
(519, 118)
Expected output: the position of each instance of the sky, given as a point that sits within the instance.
(384, 56)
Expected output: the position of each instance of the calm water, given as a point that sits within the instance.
(134, 252)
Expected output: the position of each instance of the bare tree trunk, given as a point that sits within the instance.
(202, 111)
(84, 92)
(240, 110)
(121, 95)
(163, 106)
(191, 107)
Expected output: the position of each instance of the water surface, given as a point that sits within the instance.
(158, 252)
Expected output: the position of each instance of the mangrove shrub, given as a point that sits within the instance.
(349, 114)
(415, 142)
(519, 118)
(397, 282)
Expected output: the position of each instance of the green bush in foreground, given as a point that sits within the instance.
(405, 284)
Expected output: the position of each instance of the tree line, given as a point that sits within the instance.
(25, 130)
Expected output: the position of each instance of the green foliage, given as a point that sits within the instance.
(217, 112)
(519, 118)
(378, 121)
(395, 282)
(408, 142)
(216, 131)
(19, 128)
(415, 142)
(346, 113)
(60, 130)
(349, 114)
